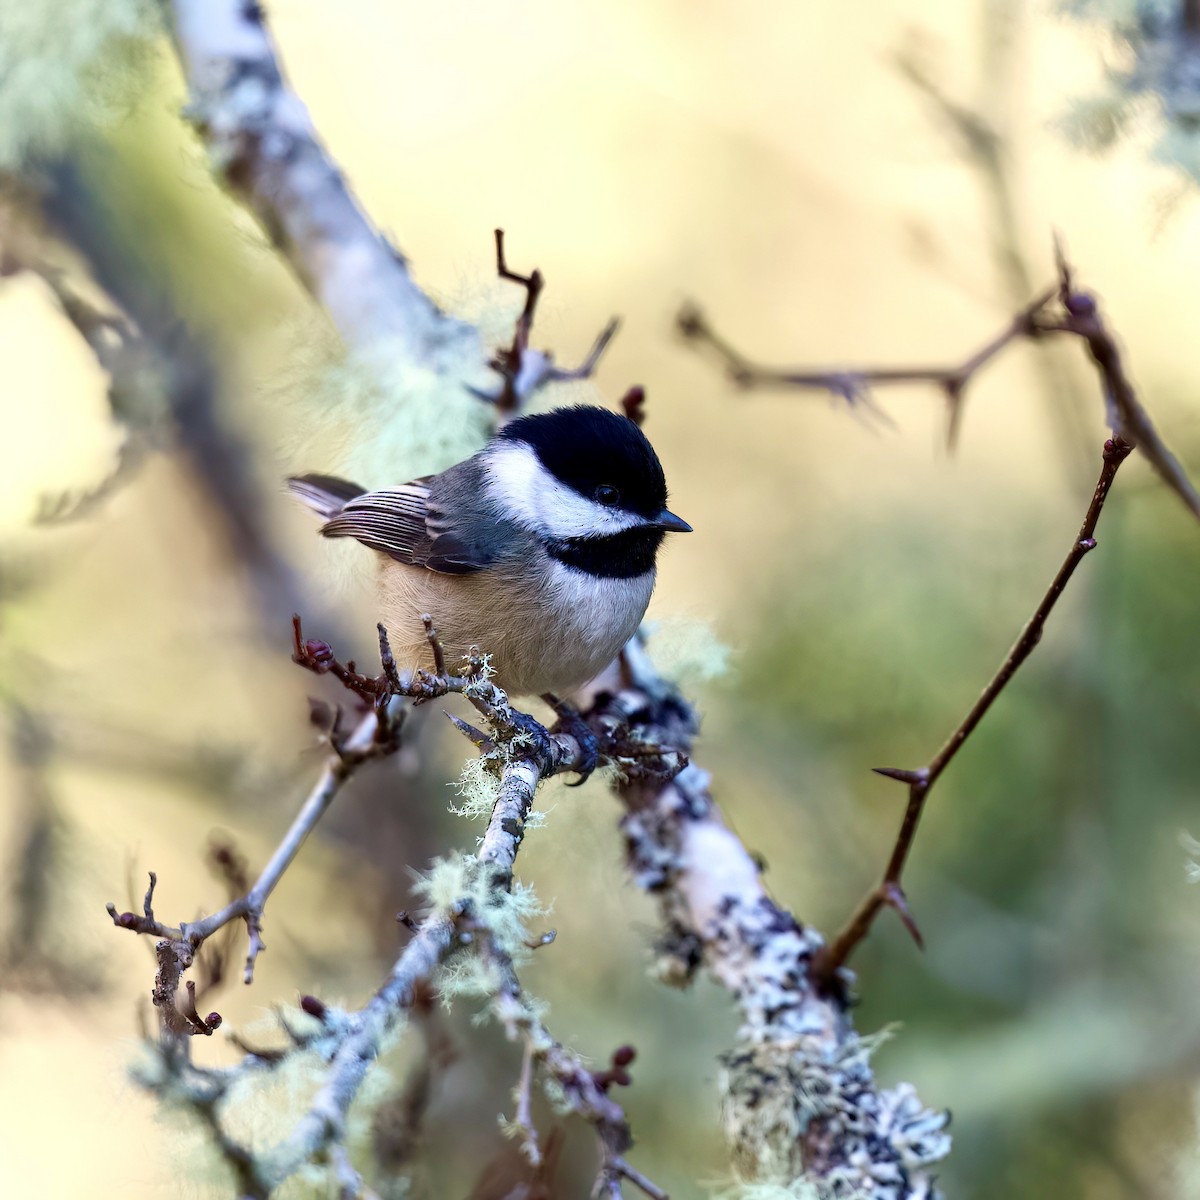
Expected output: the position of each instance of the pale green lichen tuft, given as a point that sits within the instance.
(466, 976)
(462, 884)
(67, 66)
(1151, 89)
(556, 1096)
(798, 1189)
(1191, 847)
(686, 650)
(478, 784)
(477, 788)
(373, 416)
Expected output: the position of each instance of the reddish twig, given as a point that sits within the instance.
(510, 360)
(317, 656)
(617, 1072)
(202, 1025)
(522, 369)
(888, 892)
(633, 405)
(435, 644)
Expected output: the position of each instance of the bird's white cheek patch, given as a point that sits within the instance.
(524, 489)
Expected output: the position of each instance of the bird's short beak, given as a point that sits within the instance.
(671, 523)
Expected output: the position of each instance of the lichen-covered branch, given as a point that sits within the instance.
(800, 1100)
(263, 143)
(583, 1091)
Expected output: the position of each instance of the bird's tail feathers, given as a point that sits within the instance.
(326, 495)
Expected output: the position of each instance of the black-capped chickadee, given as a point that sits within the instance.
(539, 550)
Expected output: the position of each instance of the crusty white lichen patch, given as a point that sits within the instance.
(793, 1107)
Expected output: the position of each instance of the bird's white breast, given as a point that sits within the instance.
(549, 629)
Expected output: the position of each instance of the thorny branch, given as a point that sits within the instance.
(984, 136)
(1078, 314)
(376, 735)
(889, 891)
(854, 384)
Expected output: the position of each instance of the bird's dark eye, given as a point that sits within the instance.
(607, 495)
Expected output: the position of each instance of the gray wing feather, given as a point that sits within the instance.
(405, 522)
(392, 521)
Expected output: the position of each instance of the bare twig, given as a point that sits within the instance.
(523, 369)
(1079, 315)
(920, 782)
(546, 754)
(191, 935)
(586, 1094)
(984, 135)
(435, 645)
(854, 384)
(524, 1114)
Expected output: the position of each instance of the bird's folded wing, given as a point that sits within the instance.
(400, 522)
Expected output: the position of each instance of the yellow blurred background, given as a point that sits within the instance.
(780, 165)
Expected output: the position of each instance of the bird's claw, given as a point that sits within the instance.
(571, 723)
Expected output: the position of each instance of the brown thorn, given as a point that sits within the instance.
(198, 1024)
(502, 266)
(273, 1055)
(892, 894)
(917, 778)
(954, 409)
(481, 739)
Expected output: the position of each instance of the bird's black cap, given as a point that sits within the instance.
(591, 449)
